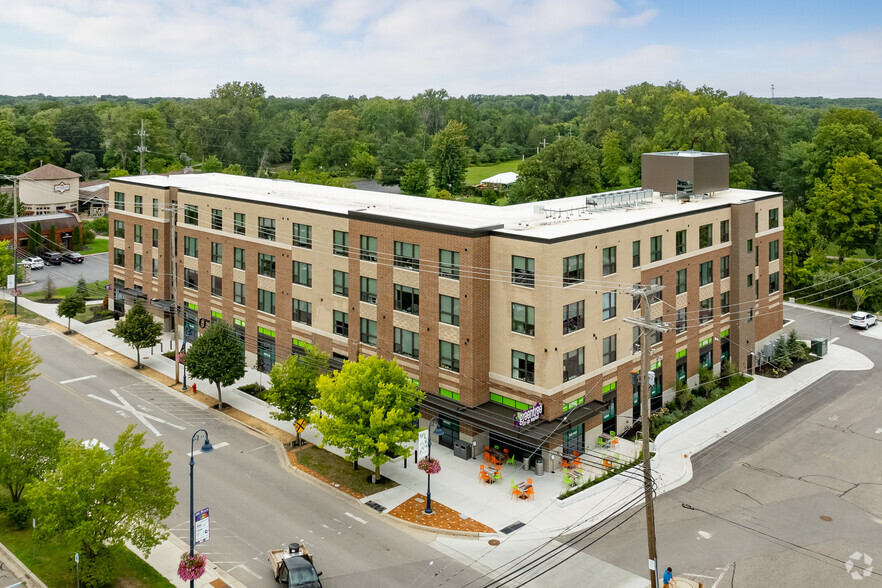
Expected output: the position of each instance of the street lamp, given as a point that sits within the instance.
(206, 448)
(438, 431)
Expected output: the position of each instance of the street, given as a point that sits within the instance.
(787, 500)
(256, 503)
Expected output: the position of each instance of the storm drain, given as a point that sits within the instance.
(512, 528)
(375, 506)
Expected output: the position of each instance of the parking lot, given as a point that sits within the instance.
(93, 268)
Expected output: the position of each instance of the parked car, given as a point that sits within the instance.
(73, 257)
(52, 257)
(34, 263)
(863, 320)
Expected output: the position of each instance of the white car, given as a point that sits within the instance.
(33, 262)
(862, 319)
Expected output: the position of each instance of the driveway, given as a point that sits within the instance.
(93, 268)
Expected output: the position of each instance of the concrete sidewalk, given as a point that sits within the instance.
(546, 517)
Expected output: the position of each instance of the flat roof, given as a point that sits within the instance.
(545, 220)
(687, 153)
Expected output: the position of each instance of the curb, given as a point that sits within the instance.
(19, 569)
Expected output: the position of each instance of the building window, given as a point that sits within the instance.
(749, 315)
(191, 214)
(155, 207)
(609, 349)
(138, 266)
(239, 223)
(448, 355)
(341, 323)
(119, 229)
(724, 302)
(655, 248)
(523, 319)
(368, 290)
(407, 299)
(238, 258)
(155, 267)
(573, 364)
(523, 366)
(706, 273)
(238, 292)
(773, 218)
(724, 267)
(119, 257)
(217, 252)
(368, 332)
(522, 270)
(139, 234)
(773, 249)
(302, 274)
(449, 310)
(681, 281)
(756, 222)
(724, 231)
(635, 347)
(139, 205)
(749, 280)
(217, 219)
(657, 295)
(449, 266)
(301, 311)
(191, 246)
(191, 279)
(773, 283)
(368, 248)
(705, 236)
(681, 242)
(302, 235)
(266, 265)
(573, 269)
(217, 286)
(266, 301)
(681, 320)
(407, 343)
(407, 255)
(341, 283)
(573, 316)
(750, 245)
(706, 310)
(635, 253)
(266, 228)
(609, 261)
(341, 243)
(609, 305)
(156, 237)
(119, 200)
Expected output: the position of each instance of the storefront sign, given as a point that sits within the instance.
(528, 416)
(62, 187)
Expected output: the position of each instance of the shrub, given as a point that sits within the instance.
(706, 381)
(19, 514)
(726, 371)
(683, 398)
(97, 571)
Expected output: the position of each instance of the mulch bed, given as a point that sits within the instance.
(412, 511)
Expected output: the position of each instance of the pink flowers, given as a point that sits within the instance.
(191, 567)
(182, 357)
(430, 466)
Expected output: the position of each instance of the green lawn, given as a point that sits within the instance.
(24, 315)
(99, 245)
(338, 470)
(96, 292)
(477, 173)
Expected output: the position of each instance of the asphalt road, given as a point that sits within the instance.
(255, 503)
(787, 500)
(93, 268)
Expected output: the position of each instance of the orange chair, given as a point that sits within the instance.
(615, 443)
(564, 463)
(529, 494)
(515, 491)
(606, 464)
(482, 476)
(487, 456)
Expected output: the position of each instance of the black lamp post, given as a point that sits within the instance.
(439, 431)
(206, 448)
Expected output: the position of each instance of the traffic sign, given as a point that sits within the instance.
(300, 425)
(15, 292)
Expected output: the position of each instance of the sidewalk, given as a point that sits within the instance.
(457, 486)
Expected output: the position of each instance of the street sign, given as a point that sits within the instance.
(200, 531)
(300, 425)
(15, 292)
(423, 444)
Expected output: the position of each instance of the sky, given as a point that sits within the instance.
(396, 48)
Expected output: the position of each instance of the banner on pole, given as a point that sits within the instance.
(200, 526)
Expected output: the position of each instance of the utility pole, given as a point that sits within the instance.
(142, 149)
(15, 184)
(773, 90)
(647, 325)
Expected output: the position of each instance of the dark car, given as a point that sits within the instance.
(299, 572)
(52, 257)
(73, 257)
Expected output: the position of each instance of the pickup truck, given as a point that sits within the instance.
(292, 567)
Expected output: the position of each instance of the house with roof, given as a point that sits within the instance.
(93, 198)
(48, 189)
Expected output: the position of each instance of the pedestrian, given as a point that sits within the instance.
(668, 578)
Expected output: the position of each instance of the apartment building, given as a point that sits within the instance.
(510, 318)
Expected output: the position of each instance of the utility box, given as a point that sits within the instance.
(819, 347)
(462, 449)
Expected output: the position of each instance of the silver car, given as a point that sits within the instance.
(863, 320)
(33, 263)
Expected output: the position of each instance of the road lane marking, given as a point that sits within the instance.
(143, 417)
(350, 515)
(256, 448)
(77, 379)
(214, 446)
(834, 340)
(244, 567)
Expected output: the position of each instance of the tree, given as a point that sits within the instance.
(567, 167)
(35, 234)
(29, 447)
(741, 176)
(416, 178)
(49, 293)
(212, 165)
(394, 155)
(217, 356)
(293, 385)
(70, 307)
(859, 295)
(18, 363)
(84, 163)
(449, 156)
(366, 409)
(6, 203)
(612, 160)
(234, 169)
(51, 243)
(96, 499)
(77, 240)
(82, 287)
(363, 164)
(781, 356)
(80, 128)
(138, 329)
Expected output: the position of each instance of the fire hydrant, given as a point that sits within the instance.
(194, 387)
